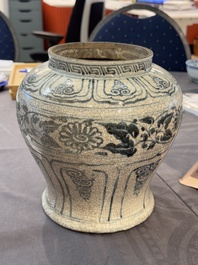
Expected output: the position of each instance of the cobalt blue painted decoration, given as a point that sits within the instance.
(98, 119)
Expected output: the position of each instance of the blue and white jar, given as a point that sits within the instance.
(99, 118)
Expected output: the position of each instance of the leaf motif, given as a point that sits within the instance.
(49, 126)
(151, 145)
(167, 136)
(168, 120)
(27, 119)
(123, 148)
(144, 145)
(49, 141)
(25, 108)
(148, 120)
(35, 119)
(119, 131)
(144, 136)
(165, 120)
(121, 126)
(133, 130)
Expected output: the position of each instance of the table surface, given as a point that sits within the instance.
(28, 237)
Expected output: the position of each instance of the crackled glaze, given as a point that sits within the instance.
(99, 118)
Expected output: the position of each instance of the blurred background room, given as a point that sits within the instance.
(75, 20)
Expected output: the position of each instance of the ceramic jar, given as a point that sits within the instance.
(98, 119)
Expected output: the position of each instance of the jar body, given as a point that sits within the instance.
(98, 138)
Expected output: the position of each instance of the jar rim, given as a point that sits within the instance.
(101, 55)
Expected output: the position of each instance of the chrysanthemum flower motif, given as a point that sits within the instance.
(80, 136)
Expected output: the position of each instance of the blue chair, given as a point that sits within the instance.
(156, 31)
(9, 45)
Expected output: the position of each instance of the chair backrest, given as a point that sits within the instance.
(9, 45)
(156, 31)
(86, 17)
(86, 14)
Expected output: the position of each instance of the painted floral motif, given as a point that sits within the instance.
(147, 132)
(48, 127)
(120, 89)
(33, 126)
(142, 174)
(80, 136)
(125, 134)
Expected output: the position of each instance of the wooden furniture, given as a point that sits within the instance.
(18, 72)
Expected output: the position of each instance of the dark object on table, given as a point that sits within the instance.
(3, 84)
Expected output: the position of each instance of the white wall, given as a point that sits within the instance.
(4, 7)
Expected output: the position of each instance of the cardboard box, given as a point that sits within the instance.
(191, 177)
(17, 75)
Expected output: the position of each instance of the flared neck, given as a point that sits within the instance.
(100, 59)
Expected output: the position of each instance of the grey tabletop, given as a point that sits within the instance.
(28, 237)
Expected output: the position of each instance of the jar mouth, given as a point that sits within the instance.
(70, 56)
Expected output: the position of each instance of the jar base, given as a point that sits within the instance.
(88, 226)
